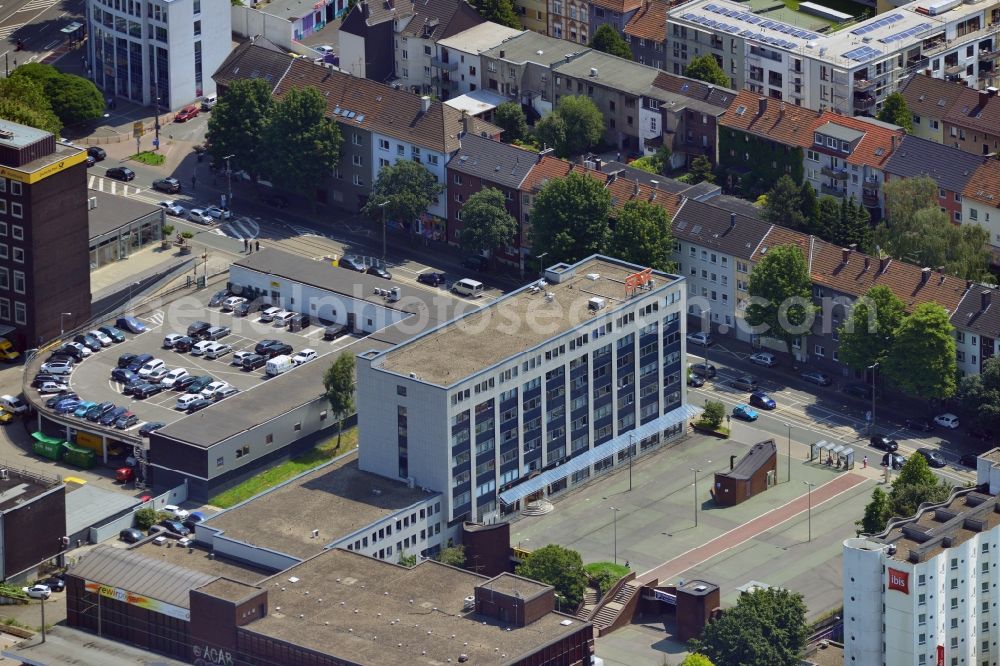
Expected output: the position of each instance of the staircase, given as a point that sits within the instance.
(610, 612)
(537, 508)
(590, 600)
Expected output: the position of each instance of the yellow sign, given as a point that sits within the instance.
(31, 177)
(137, 129)
(275, 285)
(89, 441)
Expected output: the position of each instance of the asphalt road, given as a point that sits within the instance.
(37, 23)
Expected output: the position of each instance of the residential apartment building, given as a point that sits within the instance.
(981, 201)
(951, 168)
(929, 99)
(534, 15)
(44, 236)
(484, 163)
(157, 53)
(255, 59)
(569, 20)
(977, 328)
(974, 125)
(924, 591)
(847, 71)
(456, 66)
(524, 408)
(616, 13)
(646, 34)
(690, 113)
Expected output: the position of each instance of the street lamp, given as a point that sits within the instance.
(130, 286)
(62, 318)
(789, 426)
(631, 445)
(871, 430)
(810, 494)
(540, 257)
(229, 184)
(615, 523)
(696, 472)
(384, 226)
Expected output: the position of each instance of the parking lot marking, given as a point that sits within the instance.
(311, 334)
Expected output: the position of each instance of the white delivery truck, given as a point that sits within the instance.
(278, 365)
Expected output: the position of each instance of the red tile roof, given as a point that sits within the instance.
(650, 22)
(874, 149)
(620, 6)
(779, 121)
(549, 167)
(984, 183)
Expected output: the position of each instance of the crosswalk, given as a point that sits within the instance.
(301, 231)
(154, 318)
(8, 30)
(112, 186)
(36, 5)
(242, 228)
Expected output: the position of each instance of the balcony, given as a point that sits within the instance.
(863, 102)
(444, 64)
(870, 198)
(836, 174)
(987, 54)
(833, 191)
(863, 84)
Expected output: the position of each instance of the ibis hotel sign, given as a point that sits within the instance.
(899, 580)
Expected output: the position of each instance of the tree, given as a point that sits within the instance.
(714, 412)
(706, 68)
(74, 99)
(408, 187)
(915, 485)
(827, 217)
(876, 513)
(781, 291)
(486, 224)
(573, 127)
(570, 218)
(498, 11)
(338, 380)
(607, 40)
(452, 555)
(642, 235)
(302, 145)
(658, 162)
(407, 560)
(696, 660)
(559, 567)
(980, 395)
(869, 331)
(853, 226)
(808, 203)
(765, 628)
(236, 124)
(784, 204)
(23, 100)
(701, 171)
(895, 111)
(905, 196)
(146, 517)
(922, 359)
(510, 117)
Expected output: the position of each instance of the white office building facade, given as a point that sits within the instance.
(563, 407)
(157, 52)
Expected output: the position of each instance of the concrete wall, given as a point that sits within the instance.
(111, 528)
(422, 523)
(248, 22)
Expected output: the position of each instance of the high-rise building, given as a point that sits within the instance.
(44, 236)
(534, 393)
(157, 52)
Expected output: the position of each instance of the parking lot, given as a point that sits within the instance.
(92, 377)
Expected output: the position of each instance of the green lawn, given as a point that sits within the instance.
(149, 157)
(323, 452)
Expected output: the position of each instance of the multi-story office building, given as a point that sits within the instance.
(44, 248)
(848, 71)
(158, 52)
(568, 377)
(925, 591)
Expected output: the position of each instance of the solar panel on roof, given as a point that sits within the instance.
(688, 16)
(711, 7)
(862, 54)
(746, 33)
(732, 29)
(750, 18)
(905, 33)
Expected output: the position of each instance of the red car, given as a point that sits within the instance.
(187, 113)
(124, 474)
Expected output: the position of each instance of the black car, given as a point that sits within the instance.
(131, 535)
(55, 583)
(217, 299)
(199, 405)
(90, 161)
(113, 333)
(969, 460)
(183, 344)
(897, 461)
(432, 279)
(706, 370)
(695, 381)
(299, 322)
(120, 173)
(88, 341)
(110, 417)
(379, 271)
(150, 427)
(174, 527)
(41, 378)
(71, 352)
(277, 350)
(95, 413)
(352, 263)
(476, 263)
(146, 390)
(51, 402)
(200, 382)
(125, 360)
(130, 388)
(862, 391)
(254, 361)
(264, 344)
(883, 443)
(276, 200)
(243, 309)
(934, 459)
(97, 153)
(168, 185)
(334, 331)
(182, 384)
(816, 377)
(123, 375)
(919, 424)
(197, 329)
(139, 361)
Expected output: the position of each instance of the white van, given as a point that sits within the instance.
(282, 318)
(185, 400)
(279, 364)
(467, 287)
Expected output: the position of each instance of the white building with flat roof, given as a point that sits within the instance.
(531, 394)
(849, 71)
(924, 592)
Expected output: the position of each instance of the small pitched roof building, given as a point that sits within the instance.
(646, 34)
(254, 59)
(977, 328)
(981, 201)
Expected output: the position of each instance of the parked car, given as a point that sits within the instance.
(200, 404)
(175, 512)
(765, 359)
(184, 401)
(171, 377)
(744, 383)
(168, 185)
(299, 322)
(431, 279)
(264, 344)
(182, 384)
(77, 349)
(267, 314)
(55, 583)
(208, 102)
(352, 263)
(227, 392)
(218, 213)
(172, 208)
(476, 263)
(199, 348)
(149, 427)
(101, 337)
(187, 113)
(174, 527)
(123, 375)
(130, 324)
(706, 370)
(969, 460)
(217, 332)
(243, 309)
(863, 391)
(183, 344)
(48, 388)
(197, 329)
(84, 407)
(334, 331)
(199, 383)
(209, 391)
(277, 349)
(120, 173)
(67, 406)
(745, 413)
(41, 378)
(254, 361)
(97, 153)
(379, 272)
(762, 400)
(113, 333)
(57, 367)
(694, 381)
(147, 390)
(893, 460)
(304, 356)
(193, 519)
(125, 360)
(110, 417)
(95, 413)
(139, 361)
(198, 215)
(88, 341)
(131, 535)
(157, 374)
(919, 424)
(947, 420)
(130, 388)
(231, 303)
(126, 421)
(816, 377)
(883, 443)
(934, 458)
(65, 397)
(37, 591)
(170, 338)
(217, 350)
(700, 338)
(149, 366)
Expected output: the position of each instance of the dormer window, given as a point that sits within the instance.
(845, 147)
(818, 139)
(831, 143)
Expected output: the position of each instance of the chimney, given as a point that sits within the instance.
(655, 184)
(845, 254)
(883, 263)
(598, 163)
(366, 11)
(992, 91)
(425, 103)
(928, 72)
(612, 177)
(762, 106)
(503, 54)
(968, 284)
(732, 220)
(732, 462)
(893, 149)
(925, 274)
(984, 299)
(543, 153)
(868, 262)
(636, 189)
(984, 98)
(465, 122)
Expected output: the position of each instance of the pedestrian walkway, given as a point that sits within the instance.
(149, 260)
(753, 528)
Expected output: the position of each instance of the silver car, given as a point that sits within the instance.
(199, 216)
(172, 208)
(57, 367)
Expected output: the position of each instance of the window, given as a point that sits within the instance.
(20, 313)
(819, 351)
(19, 255)
(16, 210)
(18, 281)
(401, 390)
(356, 159)
(357, 181)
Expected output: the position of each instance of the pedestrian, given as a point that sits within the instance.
(619, 159)
(258, 246)
(246, 244)
(864, 463)
(194, 182)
